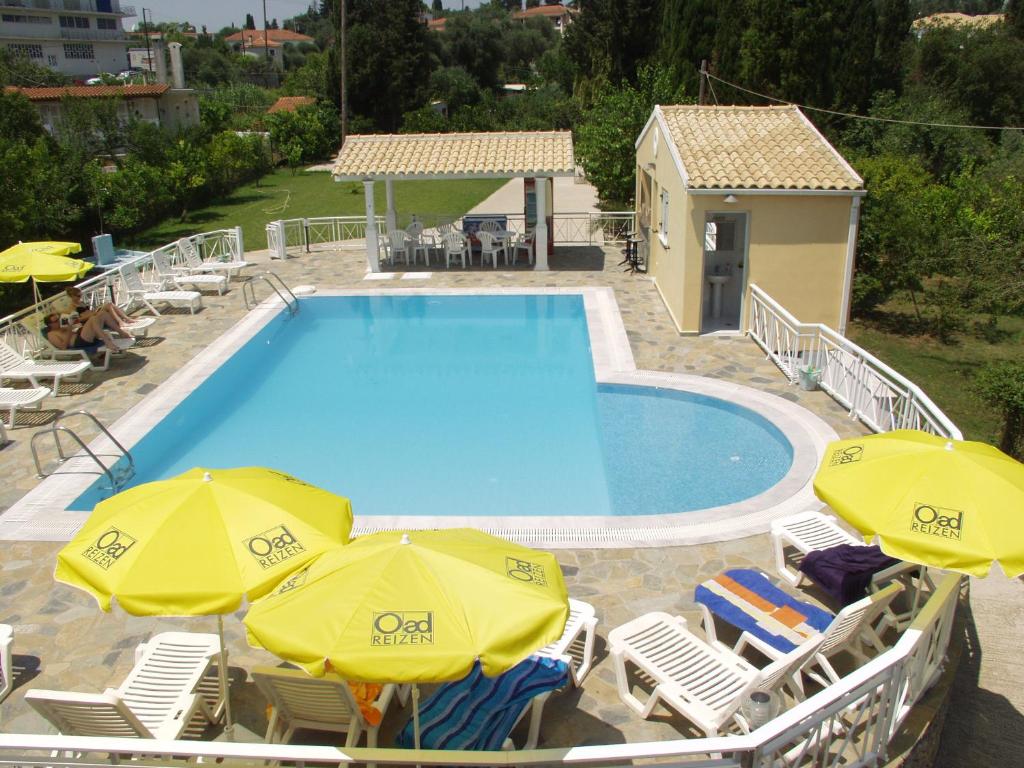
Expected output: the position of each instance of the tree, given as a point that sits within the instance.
(437, 7)
(610, 38)
(1001, 385)
(389, 60)
(605, 136)
(250, 22)
(20, 71)
(314, 129)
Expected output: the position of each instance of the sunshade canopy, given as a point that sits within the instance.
(946, 503)
(202, 542)
(44, 262)
(416, 607)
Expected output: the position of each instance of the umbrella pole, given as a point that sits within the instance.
(222, 673)
(416, 715)
(35, 291)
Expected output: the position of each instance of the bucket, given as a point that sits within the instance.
(809, 376)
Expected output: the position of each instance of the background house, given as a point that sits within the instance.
(158, 104)
(80, 38)
(560, 16)
(729, 196)
(252, 42)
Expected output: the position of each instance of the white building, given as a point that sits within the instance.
(80, 38)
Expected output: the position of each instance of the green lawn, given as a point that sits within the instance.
(283, 195)
(944, 371)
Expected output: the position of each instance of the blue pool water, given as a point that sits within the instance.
(459, 405)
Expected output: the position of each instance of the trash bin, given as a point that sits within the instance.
(809, 376)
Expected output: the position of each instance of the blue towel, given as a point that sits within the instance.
(479, 712)
(813, 617)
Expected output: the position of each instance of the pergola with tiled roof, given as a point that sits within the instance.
(526, 154)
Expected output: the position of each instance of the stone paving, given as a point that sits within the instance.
(63, 641)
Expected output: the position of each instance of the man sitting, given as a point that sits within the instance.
(81, 336)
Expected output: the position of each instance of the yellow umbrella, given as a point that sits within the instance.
(200, 543)
(947, 503)
(414, 607)
(41, 262)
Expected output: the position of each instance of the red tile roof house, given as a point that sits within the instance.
(290, 103)
(559, 15)
(158, 104)
(252, 43)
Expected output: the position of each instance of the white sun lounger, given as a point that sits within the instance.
(810, 531)
(158, 700)
(704, 682)
(172, 278)
(17, 367)
(576, 645)
(13, 399)
(44, 349)
(6, 666)
(318, 703)
(195, 265)
(138, 291)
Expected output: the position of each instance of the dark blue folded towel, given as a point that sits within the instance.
(845, 571)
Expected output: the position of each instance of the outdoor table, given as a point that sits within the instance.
(749, 601)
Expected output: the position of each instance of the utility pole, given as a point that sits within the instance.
(703, 80)
(344, 90)
(149, 51)
(266, 42)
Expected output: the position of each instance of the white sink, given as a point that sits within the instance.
(717, 281)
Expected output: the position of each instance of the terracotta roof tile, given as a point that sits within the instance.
(255, 37)
(291, 103)
(89, 91)
(547, 153)
(754, 148)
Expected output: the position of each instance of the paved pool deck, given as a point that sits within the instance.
(63, 641)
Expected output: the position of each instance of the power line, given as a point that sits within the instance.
(865, 117)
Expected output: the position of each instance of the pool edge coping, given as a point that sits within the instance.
(32, 518)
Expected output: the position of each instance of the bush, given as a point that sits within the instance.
(1001, 385)
(314, 128)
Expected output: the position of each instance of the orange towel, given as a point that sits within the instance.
(365, 694)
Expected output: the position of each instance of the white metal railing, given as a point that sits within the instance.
(877, 395)
(848, 724)
(221, 244)
(340, 232)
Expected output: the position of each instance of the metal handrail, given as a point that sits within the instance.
(57, 426)
(250, 296)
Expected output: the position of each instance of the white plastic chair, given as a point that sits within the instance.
(17, 367)
(194, 263)
(420, 241)
(398, 243)
(456, 245)
(160, 698)
(523, 242)
(318, 703)
(705, 682)
(490, 247)
(849, 630)
(811, 531)
(147, 294)
(6, 665)
(172, 278)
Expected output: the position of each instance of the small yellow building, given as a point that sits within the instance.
(730, 196)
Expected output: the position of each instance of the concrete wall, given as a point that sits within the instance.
(179, 109)
(797, 244)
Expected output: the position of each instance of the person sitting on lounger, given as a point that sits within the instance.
(110, 314)
(79, 336)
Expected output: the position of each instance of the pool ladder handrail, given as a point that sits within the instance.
(250, 296)
(117, 479)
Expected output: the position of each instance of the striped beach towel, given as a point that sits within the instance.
(479, 712)
(749, 601)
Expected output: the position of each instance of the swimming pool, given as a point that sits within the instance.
(459, 405)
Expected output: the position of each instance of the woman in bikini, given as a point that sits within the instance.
(111, 315)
